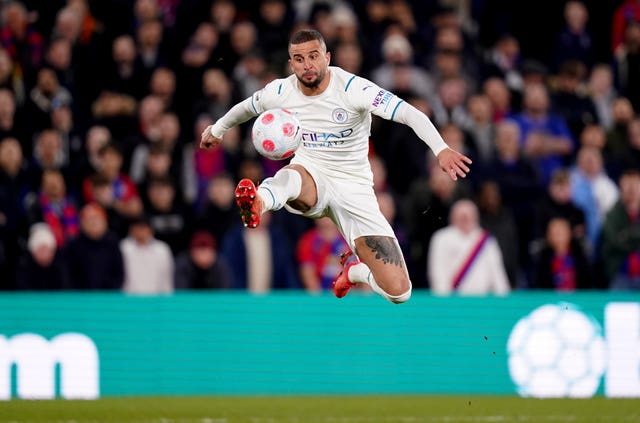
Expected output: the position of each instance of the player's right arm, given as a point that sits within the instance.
(240, 113)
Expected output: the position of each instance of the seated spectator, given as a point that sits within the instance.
(569, 100)
(12, 122)
(558, 202)
(575, 41)
(261, 259)
(621, 236)
(603, 93)
(499, 222)
(42, 267)
(562, 264)
(48, 153)
(428, 204)
(14, 187)
(123, 196)
(473, 259)
(621, 113)
(545, 137)
(148, 262)
(94, 258)
(464, 258)
(318, 255)
(220, 211)
(55, 207)
(47, 94)
(169, 218)
(200, 267)
(593, 191)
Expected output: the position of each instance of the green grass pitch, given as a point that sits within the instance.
(308, 409)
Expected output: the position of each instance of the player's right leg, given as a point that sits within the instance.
(291, 184)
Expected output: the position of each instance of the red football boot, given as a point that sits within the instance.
(249, 202)
(342, 284)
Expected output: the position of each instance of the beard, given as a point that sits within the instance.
(314, 83)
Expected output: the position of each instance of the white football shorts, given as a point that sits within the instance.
(352, 206)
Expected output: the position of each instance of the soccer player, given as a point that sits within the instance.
(330, 173)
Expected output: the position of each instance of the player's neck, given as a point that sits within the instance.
(313, 91)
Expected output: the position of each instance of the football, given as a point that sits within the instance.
(276, 134)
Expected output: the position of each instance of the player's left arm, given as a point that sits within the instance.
(388, 106)
(452, 162)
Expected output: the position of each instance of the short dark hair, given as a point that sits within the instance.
(306, 35)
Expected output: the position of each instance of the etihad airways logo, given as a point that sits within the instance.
(36, 361)
(325, 139)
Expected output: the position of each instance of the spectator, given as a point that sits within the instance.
(545, 137)
(168, 217)
(150, 49)
(44, 97)
(120, 194)
(162, 85)
(94, 258)
(621, 236)
(220, 212)
(499, 222)
(55, 207)
(23, 43)
(626, 62)
(318, 254)
(626, 12)
(261, 259)
(574, 42)
(200, 267)
(480, 127)
(622, 113)
(42, 267)
(475, 265)
(126, 74)
(562, 265)
(428, 205)
(10, 77)
(398, 58)
(449, 104)
(593, 191)
(11, 122)
(502, 62)
(500, 97)
(631, 158)
(603, 93)
(558, 202)
(148, 262)
(569, 101)
(14, 186)
(48, 154)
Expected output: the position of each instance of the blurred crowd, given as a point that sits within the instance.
(103, 186)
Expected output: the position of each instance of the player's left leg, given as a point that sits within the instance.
(380, 265)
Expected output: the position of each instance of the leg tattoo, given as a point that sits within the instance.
(385, 248)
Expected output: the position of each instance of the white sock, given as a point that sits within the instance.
(360, 273)
(275, 191)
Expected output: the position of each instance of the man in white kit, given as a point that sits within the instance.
(330, 173)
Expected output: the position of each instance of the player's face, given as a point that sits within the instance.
(309, 62)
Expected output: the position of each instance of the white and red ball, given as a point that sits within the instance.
(276, 134)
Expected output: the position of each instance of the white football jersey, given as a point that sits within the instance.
(336, 124)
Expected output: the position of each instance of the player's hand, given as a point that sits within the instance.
(207, 140)
(454, 163)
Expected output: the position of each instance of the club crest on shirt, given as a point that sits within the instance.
(339, 115)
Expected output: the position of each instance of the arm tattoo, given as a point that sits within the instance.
(385, 248)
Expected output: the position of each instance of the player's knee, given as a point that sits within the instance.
(401, 294)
